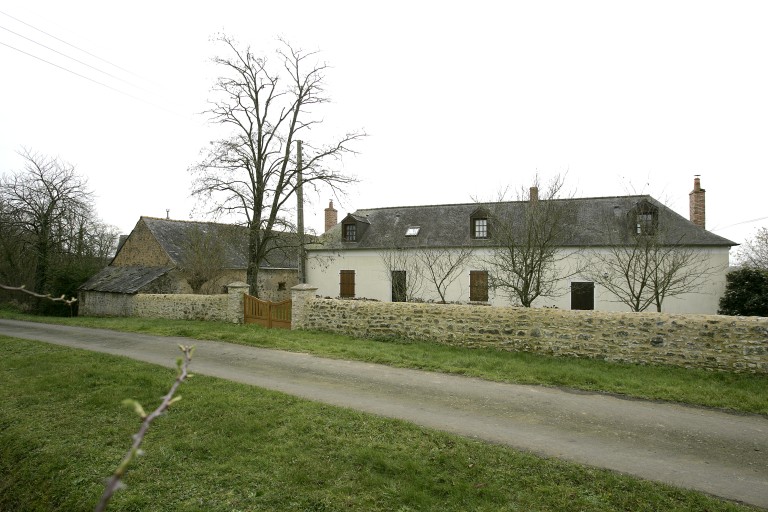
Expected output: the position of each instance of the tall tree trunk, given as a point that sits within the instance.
(254, 257)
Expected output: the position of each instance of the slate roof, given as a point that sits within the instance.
(592, 222)
(123, 279)
(173, 236)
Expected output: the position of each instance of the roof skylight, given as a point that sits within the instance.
(413, 231)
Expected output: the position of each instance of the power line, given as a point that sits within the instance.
(742, 222)
(154, 93)
(70, 44)
(74, 59)
(90, 79)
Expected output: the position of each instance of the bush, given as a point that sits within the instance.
(746, 293)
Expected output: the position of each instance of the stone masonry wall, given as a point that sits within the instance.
(181, 306)
(692, 341)
(141, 248)
(104, 304)
(174, 306)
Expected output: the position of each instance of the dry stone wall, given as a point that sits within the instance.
(692, 341)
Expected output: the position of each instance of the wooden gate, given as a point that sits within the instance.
(266, 313)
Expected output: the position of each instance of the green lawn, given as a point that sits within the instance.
(229, 447)
(738, 392)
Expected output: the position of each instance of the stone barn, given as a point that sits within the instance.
(164, 256)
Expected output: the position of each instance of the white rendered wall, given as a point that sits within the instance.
(372, 281)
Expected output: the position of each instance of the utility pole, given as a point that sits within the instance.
(300, 213)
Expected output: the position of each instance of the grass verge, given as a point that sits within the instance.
(228, 447)
(730, 391)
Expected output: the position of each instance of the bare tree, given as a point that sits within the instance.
(204, 256)
(405, 274)
(268, 105)
(442, 266)
(644, 265)
(677, 269)
(754, 252)
(57, 241)
(625, 271)
(12, 267)
(529, 236)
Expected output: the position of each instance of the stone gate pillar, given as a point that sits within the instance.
(235, 292)
(301, 294)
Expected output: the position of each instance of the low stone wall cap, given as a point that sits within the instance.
(237, 284)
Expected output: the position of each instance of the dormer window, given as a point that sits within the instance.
(350, 232)
(646, 218)
(413, 231)
(479, 225)
(644, 223)
(353, 227)
(480, 228)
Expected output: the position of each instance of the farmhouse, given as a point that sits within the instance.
(164, 256)
(380, 253)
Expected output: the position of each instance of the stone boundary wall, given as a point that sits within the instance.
(737, 344)
(178, 306)
(173, 306)
(223, 308)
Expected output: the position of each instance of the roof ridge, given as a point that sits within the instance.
(189, 221)
(442, 205)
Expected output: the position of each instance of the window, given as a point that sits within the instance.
(479, 224)
(399, 286)
(281, 286)
(350, 232)
(479, 228)
(347, 283)
(645, 217)
(644, 223)
(413, 231)
(478, 286)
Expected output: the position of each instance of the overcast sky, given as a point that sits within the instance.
(460, 99)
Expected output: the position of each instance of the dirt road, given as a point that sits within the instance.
(711, 451)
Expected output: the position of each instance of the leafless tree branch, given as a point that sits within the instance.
(253, 172)
(403, 260)
(48, 296)
(526, 262)
(115, 481)
(643, 265)
(443, 266)
(754, 252)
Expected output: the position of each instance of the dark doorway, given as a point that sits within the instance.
(583, 295)
(398, 286)
(347, 284)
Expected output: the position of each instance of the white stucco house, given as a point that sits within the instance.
(359, 256)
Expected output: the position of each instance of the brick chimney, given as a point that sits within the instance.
(696, 200)
(331, 216)
(534, 195)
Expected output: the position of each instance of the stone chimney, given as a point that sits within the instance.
(696, 200)
(534, 195)
(331, 216)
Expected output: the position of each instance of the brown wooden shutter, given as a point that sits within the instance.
(347, 283)
(478, 285)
